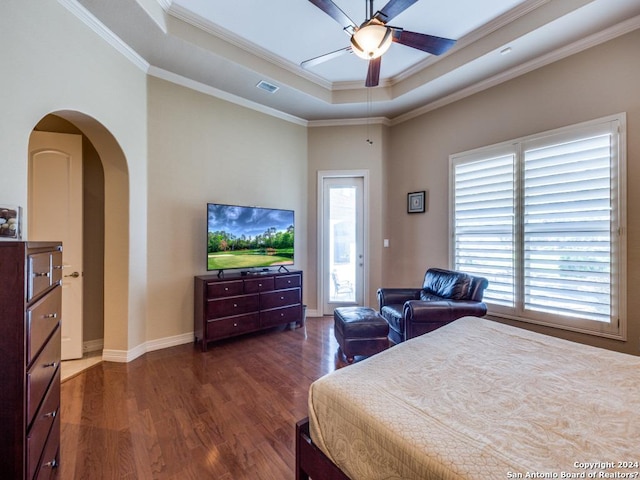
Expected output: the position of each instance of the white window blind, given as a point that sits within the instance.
(542, 218)
(567, 228)
(484, 213)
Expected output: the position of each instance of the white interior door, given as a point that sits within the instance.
(343, 253)
(55, 214)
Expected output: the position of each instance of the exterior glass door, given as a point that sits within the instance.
(343, 253)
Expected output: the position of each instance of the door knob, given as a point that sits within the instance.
(74, 275)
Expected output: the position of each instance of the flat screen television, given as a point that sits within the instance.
(249, 238)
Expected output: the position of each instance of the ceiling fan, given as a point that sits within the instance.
(373, 38)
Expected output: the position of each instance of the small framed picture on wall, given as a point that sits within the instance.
(416, 202)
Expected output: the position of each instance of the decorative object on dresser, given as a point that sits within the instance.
(245, 302)
(10, 223)
(30, 302)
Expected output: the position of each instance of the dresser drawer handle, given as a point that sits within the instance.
(259, 284)
(58, 267)
(281, 298)
(235, 305)
(50, 315)
(50, 414)
(51, 464)
(41, 274)
(235, 324)
(52, 365)
(226, 289)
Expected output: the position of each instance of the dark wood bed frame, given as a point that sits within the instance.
(310, 460)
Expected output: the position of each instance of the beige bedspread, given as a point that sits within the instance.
(478, 399)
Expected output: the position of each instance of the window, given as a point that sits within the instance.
(543, 219)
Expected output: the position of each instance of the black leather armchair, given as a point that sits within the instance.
(445, 296)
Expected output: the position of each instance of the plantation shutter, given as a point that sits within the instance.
(567, 220)
(484, 222)
(543, 219)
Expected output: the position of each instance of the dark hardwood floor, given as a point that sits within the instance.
(178, 413)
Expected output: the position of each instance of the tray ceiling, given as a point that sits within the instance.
(228, 47)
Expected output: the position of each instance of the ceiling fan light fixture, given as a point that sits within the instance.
(371, 41)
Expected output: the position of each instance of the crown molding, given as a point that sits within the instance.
(105, 33)
(472, 37)
(603, 36)
(189, 17)
(112, 39)
(180, 13)
(345, 122)
(359, 85)
(222, 95)
(486, 29)
(593, 40)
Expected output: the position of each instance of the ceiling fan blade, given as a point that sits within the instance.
(373, 73)
(393, 9)
(327, 56)
(331, 9)
(426, 43)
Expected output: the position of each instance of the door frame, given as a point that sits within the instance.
(119, 345)
(326, 174)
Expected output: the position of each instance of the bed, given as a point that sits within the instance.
(475, 399)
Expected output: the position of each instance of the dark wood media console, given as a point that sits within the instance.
(236, 304)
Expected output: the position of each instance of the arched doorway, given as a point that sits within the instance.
(105, 199)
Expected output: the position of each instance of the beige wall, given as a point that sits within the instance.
(345, 148)
(51, 62)
(201, 150)
(600, 81)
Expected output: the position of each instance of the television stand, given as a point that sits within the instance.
(236, 304)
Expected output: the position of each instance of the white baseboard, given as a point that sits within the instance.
(313, 313)
(125, 356)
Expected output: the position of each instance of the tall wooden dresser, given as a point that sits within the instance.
(30, 307)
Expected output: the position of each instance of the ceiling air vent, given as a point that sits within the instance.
(267, 87)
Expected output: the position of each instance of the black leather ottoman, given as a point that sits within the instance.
(360, 331)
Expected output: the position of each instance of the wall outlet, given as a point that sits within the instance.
(385, 243)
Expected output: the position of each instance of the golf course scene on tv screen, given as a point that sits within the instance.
(248, 237)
